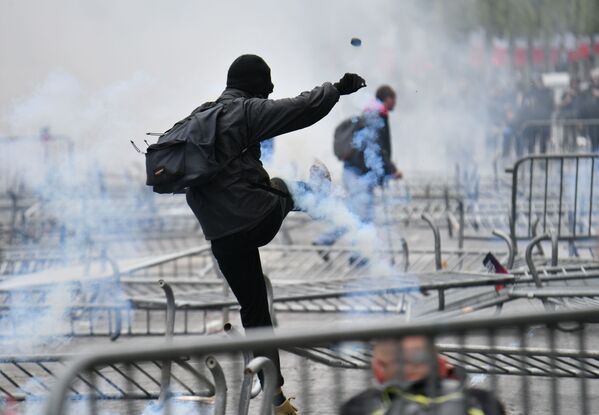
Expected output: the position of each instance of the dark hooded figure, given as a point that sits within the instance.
(242, 209)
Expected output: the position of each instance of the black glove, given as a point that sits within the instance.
(349, 84)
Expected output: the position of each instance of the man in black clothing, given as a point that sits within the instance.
(242, 209)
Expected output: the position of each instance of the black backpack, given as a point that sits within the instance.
(184, 156)
(343, 144)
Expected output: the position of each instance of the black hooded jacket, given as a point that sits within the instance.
(231, 203)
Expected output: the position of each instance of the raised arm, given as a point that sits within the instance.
(269, 118)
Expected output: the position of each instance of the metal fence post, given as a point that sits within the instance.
(529, 260)
(510, 248)
(118, 318)
(438, 261)
(388, 222)
(249, 388)
(461, 218)
(437, 237)
(406, 254)
(165, 373)
(513, 209)
(220, 386)
(554, 248)
(270, 381)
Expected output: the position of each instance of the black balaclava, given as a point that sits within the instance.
(250, 74)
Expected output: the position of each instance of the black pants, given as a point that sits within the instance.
(239, 260)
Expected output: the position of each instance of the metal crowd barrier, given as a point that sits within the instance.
(202, 295)
(93, 296)
(418, 295)
(122, 225)
(560, 191)
(421, 284)
(16, 262)
(534, 363)
(465, 214)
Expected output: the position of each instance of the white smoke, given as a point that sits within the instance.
(73, 204)
(98, 122)
(36, 327)
(332, 208)
(104, 72)
(122, 69)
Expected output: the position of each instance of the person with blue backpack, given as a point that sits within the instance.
(363, 144)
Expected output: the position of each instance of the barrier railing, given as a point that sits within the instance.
(531, 344)
(558, 190)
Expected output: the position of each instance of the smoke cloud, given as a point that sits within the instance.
(105, 72)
